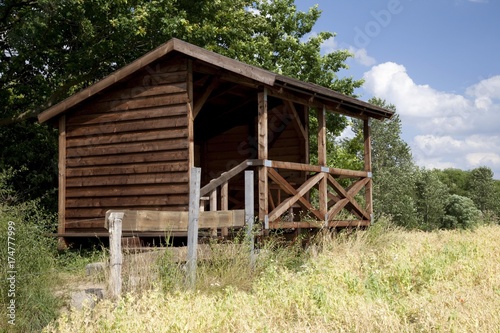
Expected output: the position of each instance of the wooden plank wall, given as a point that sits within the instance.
(129, 149)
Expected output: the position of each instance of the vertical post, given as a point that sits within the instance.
(190, 114)
(115, 254)
(307, 145)
(224, 204)
(368, 166)
(306, 127)
(213, 208)
(323, 185)
(262, 155)
(249, 211)
(193, 217)
(61, 224)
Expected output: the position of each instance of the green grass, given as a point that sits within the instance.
(380, 280)
(35, 278)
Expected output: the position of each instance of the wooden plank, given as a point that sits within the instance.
(128, 126)
(142, 136)
(140, 90)
(132, 179)
(131, 190)
(126, 169)
(139, 103)
(99, 213)
(297, 195)
(128, 201)
(223, 178)
(102, 118)
(159, 156)
(316, 168)
(262, 154)
(127, 148)
(62, 180)
(193, 217)
(368, 167)
(164, 221)
(154, 79)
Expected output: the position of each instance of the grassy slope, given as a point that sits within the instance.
(376, 281)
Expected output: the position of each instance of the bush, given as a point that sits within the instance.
(460, 212)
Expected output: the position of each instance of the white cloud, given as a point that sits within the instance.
(444, 129)
(361, 56)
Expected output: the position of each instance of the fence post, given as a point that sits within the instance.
(249, 212)
(116, 258)
(193, 216)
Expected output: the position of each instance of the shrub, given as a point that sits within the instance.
(460, 212)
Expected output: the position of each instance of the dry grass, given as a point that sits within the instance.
(383, 280)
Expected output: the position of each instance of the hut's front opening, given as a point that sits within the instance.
(245, 126)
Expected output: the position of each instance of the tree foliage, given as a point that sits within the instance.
(460, 213)
(482, 188)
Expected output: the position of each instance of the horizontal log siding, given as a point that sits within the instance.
(128, 148)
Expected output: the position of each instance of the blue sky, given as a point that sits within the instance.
(438, 61)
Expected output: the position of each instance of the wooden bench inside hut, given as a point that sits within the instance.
(129, 141)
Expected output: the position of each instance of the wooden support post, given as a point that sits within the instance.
(213, 208)
(193, 216)
(190, 115)
(368, 167)
(323, 184)
(263, 154)
(224, 204)
(61, 224)
(306, 127)
(249, 212)
(115, 254)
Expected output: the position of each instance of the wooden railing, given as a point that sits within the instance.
(332, 197)
(283, 196)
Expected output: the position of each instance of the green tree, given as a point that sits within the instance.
(393, 169)
(50, 49)
(456, 180)
(431, 198)
(482, 188)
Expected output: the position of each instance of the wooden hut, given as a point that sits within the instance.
(129, 141)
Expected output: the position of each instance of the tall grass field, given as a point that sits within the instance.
(380, 280)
